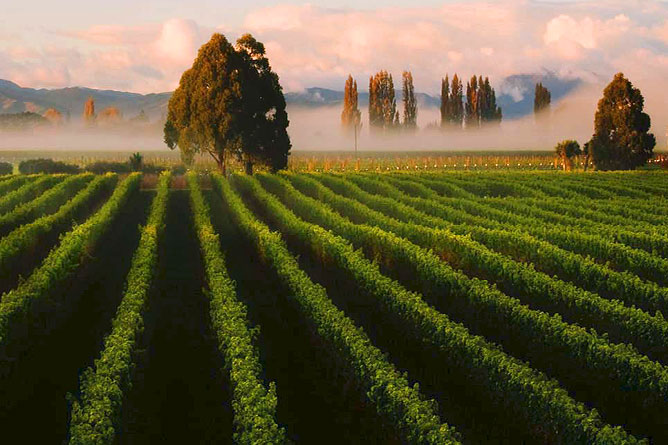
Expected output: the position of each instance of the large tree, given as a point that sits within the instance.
(265, 119)
(230, 103)
(621, 139)
(410, 103)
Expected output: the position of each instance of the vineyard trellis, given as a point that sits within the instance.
(450, 306)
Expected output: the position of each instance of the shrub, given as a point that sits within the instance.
(101, 167)
(41, 165)
(6, 168)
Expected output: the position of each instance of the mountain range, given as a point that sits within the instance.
(514, 95)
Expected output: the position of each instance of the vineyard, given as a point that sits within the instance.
(325, 307)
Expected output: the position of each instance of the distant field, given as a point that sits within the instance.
(524, 305)
(337, 161)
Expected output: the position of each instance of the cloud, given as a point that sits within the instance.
(315, 46)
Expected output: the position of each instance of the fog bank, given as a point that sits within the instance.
(319, 129)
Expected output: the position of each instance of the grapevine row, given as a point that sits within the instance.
(520, 385)
(385, 387)
(96, 414)
(28, 235)
(254, 404)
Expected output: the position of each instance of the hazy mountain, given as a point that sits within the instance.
(514, 95)
(70, 101)
(318, 97)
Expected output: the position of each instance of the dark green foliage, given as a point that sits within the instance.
(481, 105)
(47, 203)
(16, 306)
(28, 192)
(230, 103)
(179, 169)
(410, 103)
(265, 139)
(541, 99)
(136, 161)
(96, 415)
(452, 107)
(101, 167)
(383, 114)
(42, 165)
(6, 168)
(621, 139)
(254, 404)
(385, 386)
(27, 235)
(567, 150)
(503, 376)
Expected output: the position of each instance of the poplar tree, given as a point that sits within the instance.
(481, 107)
(350, 116)
(472, 104)
(383, 113)
(456, 102)
(446, 106)
(541, 99)
(410, 104)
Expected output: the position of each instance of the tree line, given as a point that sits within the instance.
(478, 109)
(231, 103)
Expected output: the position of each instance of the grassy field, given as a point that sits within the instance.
(501, 306)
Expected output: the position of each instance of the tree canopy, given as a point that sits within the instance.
(541, 99)
(410, 103)
(481, 105)
(230, 103)
(383, 114)
(567, 150)
(350, 116)
(621, 139)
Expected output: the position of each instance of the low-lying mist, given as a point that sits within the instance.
(319, 129)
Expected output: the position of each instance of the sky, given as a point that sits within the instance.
(144, 46)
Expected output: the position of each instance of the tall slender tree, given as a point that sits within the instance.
(374, 104)
(472, 104)
(541, 100)
(383, 113)
(446, 106)
(89, 111)
(350, 116)
(481, 107)
(410, 104)
(456, 102)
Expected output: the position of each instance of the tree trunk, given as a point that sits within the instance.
(221, 165)
(249, 167)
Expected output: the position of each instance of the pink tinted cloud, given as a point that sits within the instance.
(309, 45)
